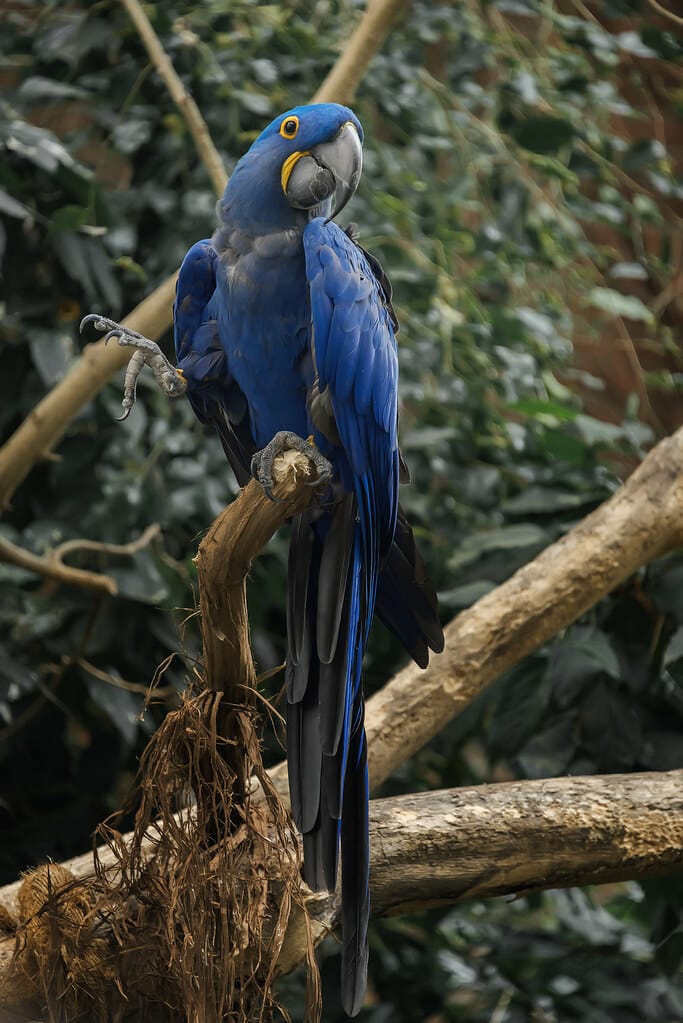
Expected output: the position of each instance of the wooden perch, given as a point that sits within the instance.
(437, 848)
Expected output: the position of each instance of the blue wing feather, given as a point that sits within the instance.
(213, 393)
(356, 361)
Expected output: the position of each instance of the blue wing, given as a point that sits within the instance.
(335, 565)
(215, 397)
(356, 361)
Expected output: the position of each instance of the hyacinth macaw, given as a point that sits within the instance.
(285, 338)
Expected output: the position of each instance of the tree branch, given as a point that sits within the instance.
(49, 420)
(449, 846)
(51, 565)
(120, 549)
(183, 100)
(52, 568)
(364, 43)
(438, 848)
(641, 522)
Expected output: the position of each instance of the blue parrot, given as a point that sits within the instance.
(286, 338)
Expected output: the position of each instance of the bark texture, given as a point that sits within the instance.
(437, 848)
(641, 522)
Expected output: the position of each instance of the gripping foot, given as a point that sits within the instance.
(262, 462)
(146, 352)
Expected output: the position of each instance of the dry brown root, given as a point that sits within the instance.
(194, 930)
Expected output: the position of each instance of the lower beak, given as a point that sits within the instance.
(324, 178)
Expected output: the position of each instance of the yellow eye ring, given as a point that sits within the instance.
(290, 127)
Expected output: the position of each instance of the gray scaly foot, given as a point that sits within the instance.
(262, 462)
(170, 380)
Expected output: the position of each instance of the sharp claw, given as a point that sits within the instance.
(124, 415)
(98, 321)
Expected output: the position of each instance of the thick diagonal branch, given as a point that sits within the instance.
(642, 521)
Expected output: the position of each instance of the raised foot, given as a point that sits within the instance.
(146, 352)
(262, 462)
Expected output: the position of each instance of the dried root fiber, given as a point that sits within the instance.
(189, 922)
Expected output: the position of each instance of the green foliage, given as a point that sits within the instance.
(487, 152)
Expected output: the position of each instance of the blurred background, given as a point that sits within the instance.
(522, 187)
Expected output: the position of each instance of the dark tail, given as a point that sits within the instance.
(326, 747)
(327, 626)
(406, 599)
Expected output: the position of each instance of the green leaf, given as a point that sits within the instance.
(52, 353)
(544, 134)
(539, 408)
(11, 207)
(674, 648)
(121, 707)
(537, 500)
(464, 596)
(549, 753)
(524, 697)
(36, 88)
(139, 579)
(68, 218)
(610, 729)
(615, 303)
(580, 657)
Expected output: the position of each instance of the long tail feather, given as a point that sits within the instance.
(334, 576)
(355, 850)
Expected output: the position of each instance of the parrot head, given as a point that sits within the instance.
(306, 163)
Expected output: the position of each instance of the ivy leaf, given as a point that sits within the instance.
(550, 752)
(52, 353)
(544, 134)
(523, 700)
(580, 657)
(615, 303)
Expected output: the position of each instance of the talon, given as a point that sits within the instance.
(262, 462)
(91, 318)
(171, 380)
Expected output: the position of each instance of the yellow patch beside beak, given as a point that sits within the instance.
(289, 165)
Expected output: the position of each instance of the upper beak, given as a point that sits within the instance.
(324, 178)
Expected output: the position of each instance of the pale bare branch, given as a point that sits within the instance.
(183, 100)
(364, 43)
(52, 568)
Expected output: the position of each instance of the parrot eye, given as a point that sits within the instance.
(289, 127)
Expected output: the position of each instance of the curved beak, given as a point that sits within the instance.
(324, 178)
